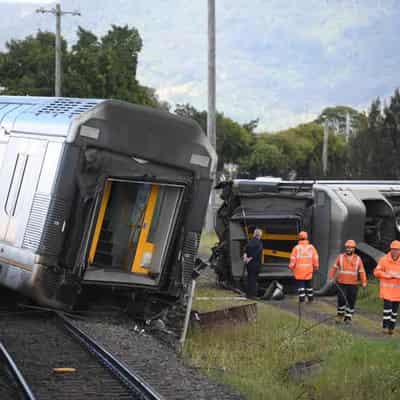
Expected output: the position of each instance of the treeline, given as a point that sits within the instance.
(93, 67)
(374, 151)
(370, 151)
(105, 67)
(292, 153)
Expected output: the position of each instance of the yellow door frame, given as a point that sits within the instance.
(100, 220)
(143, 245)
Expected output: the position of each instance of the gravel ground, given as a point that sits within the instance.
(7, 388)
(155, 362)
(38, 345)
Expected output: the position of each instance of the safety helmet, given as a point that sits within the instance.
(350, 243)
(303, 235)
(395, 245)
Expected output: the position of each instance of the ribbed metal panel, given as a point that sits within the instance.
(37, 219)
(44, 225)
(71, 107)
(190, 248)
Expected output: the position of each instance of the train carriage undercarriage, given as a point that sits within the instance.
(331, 211)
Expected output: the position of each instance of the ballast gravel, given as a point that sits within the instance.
(156, 363)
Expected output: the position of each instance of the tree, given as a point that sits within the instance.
(295, 151)
(93, 67)
(338, 115)
(374, 150)
(233, 140)
(265, 159)
(252, 125)
(27, 66)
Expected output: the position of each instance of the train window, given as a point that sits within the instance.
(320, 199)
(134, 225)
(15, 184)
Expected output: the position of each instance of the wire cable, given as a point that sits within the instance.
(295, 333)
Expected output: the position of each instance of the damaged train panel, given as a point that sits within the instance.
(99, 192)
(331, 211)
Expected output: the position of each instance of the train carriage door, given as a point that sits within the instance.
(133, 228)
(19, 176)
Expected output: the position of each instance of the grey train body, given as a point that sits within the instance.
(59, 157)
(330, 211)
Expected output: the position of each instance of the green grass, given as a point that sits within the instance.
(254, 359)
(368, 298)
(208, 299)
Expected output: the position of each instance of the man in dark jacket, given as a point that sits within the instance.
(252, 259)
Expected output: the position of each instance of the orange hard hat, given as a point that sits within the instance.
(303, 235)
(395, 245)
(350, 243)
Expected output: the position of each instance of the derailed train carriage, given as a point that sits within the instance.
(99, 192)
(331, 211)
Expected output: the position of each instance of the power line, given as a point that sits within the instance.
(58, 13)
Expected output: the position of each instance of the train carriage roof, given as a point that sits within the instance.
(140, 131)
(254, 188)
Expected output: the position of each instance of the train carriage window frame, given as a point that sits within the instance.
(140, 217)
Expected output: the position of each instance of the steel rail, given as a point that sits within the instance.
(134, 383)
(25, 389)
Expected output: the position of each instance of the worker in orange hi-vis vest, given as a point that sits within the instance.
(388, 272)
(346, 271)
(304, 261)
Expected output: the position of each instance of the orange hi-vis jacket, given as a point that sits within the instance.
(304, 260)
(347, 269)
(388, 272)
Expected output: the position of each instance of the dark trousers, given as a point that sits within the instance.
(305, 289)
(389, 313)
(346, 300)
(252, 273)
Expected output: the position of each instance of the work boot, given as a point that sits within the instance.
(339, 319)
(390, 331)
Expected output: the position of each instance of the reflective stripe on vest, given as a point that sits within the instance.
(305, 252)
(395, 274)
(345, 272)
(349, 272)
(390, 285)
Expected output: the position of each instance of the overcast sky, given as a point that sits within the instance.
(280, 61)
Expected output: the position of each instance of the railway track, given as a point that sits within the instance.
(48, 357)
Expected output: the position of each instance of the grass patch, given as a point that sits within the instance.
(254, 359)
(210, 299)
(368, 298)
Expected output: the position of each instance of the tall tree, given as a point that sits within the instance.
(295, 152)
(94, 67)
(233, 140)
(374, 150)
(27, 66)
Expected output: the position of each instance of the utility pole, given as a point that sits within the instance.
(347, 126)
(211, 112)
(58, 13)
(325, 148)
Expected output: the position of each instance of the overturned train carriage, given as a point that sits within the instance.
(99, 192)
(331, 211)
